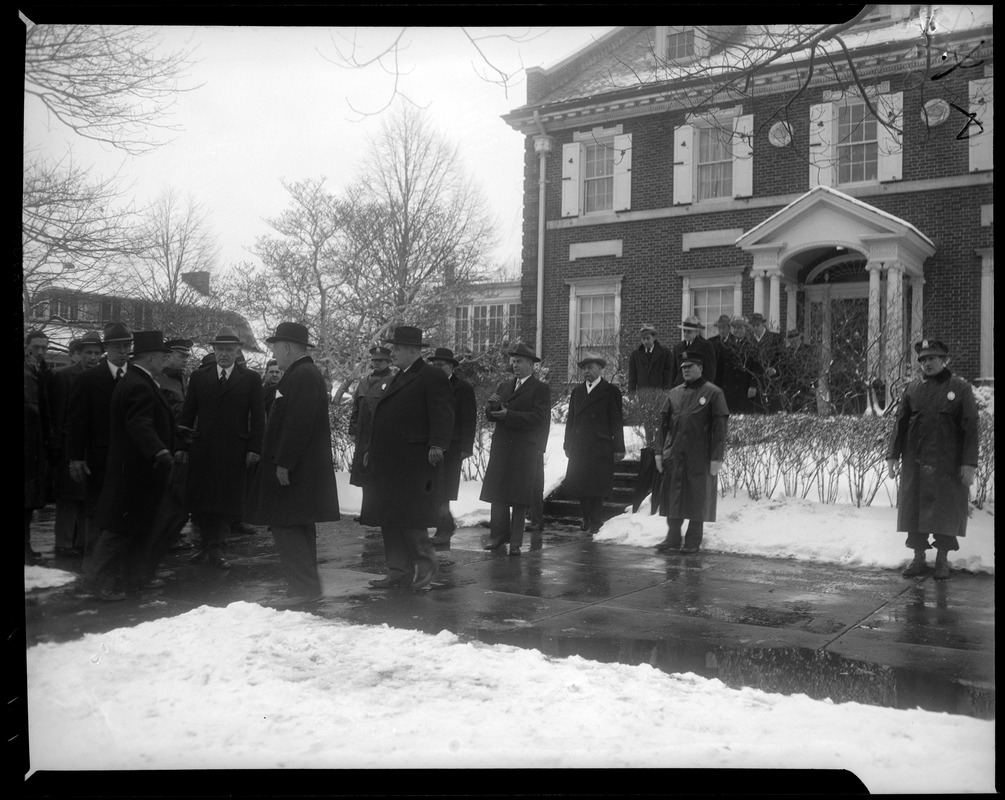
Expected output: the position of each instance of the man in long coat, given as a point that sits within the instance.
(37, 434)
(740, 372)
(71, 508)
(138, 470)
(225, 413)
(462, 442)
(89, 434)
(693, 441)
(368, 392)
(693, 342)
(936, 438)
(769, 347)
(650, 374)
(294, 485)
(403, 469)
(594, 441)
(520, 409)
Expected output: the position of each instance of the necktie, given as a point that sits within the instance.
(223, 377)
(119, 374)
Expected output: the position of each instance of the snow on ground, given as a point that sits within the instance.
(254, 688)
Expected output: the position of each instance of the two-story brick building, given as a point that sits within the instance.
(650, 196)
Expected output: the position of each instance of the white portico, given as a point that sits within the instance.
(826, 244)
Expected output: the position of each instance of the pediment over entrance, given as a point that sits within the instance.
(824, 218)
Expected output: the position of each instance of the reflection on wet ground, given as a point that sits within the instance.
(868, 636)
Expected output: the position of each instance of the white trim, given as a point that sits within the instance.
(720, 238)
(596, 134)
(608, 247)
(585, 287)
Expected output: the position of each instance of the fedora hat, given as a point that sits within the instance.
(183, 346)
(522, 350)
(647, 327)
(931, 347)
(149, 342)
(407, 335)
(738, 320)
(592, 358)
(756, 318)
(227, 335)
(691, 324)
(444, 354)
(290, 332)
(380, 353)
(116, 332)
(91, 337)
(723, 319)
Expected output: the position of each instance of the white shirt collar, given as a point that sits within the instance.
(223, 370)
(591, 386)
(114, 369)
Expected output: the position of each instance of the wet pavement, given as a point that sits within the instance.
(779, 625)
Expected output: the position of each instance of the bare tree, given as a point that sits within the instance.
(73, 233)
(176, 249)
(107, 83)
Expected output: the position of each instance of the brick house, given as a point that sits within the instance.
(642, 204)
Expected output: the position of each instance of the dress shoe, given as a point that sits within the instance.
(689, 549)
(219, 562)
(917, 566)
(666, 546)
(198, 556)
(941, 566)
(494, 545)
(514, 550)
(387, 582)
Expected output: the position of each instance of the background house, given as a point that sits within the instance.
(855, 204)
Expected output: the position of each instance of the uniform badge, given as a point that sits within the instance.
(951, 395)
(701, 401)
(383, 386)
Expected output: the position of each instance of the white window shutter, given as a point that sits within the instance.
(981, 142)
(889, 144)
(822, 151)
(623, 172)
(571, 190)
(683, 160)
(743, 156)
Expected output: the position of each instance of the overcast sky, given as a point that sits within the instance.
(271, 107)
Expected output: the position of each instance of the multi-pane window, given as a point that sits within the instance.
(462, 327)
(680, 44)
(598, 176)
(597, 329)
(480, 327)
(857, 144)
(111, 310)
(708, 304)
(65, 308)
(142, 316)
(715, 161)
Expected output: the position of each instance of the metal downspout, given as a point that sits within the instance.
(542, 145)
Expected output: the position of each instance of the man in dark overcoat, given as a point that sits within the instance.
(403, 468)
(936, 438)
(462, 442)
(769, 347)
(520, 409)
(225, 413)
(693, 442)
(594, 440)
(90, 422)
(294, 484)
(693, 342)
(364, 400)
(71, 508)
(141, 442)
(270, 382)
(650, 373)
(739, 370)
(37, 434)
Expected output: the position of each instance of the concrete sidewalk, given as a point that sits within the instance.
(869, 636)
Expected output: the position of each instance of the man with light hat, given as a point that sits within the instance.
(692, 442)
(693, 342)
(403, 466)
(138, 470)
(225, 413)
(364, 400)
(294, 484)
(739, 370)
(594, 441)
(936, 438)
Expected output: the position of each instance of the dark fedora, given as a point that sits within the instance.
(91, 337)
(149, 342)
(691, 358)
(592, 358)
(931, 347)
(522, 350)
(227, 335)
(444, 354)
(381, 353)
(180, 345)
(116, 332)
(407, 335)
(756, 318)
(290, 332)
(723, 319)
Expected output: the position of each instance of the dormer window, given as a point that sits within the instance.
(676, 45)
(680, 44)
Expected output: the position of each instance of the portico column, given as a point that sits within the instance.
(790, 306)
(917, 308)
(758, 276)
(685, 298)
(894, 355)
(874, 350)
(824, 405)
(774, 300)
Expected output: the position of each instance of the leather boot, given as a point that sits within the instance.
(942, 565)
(916, 567)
